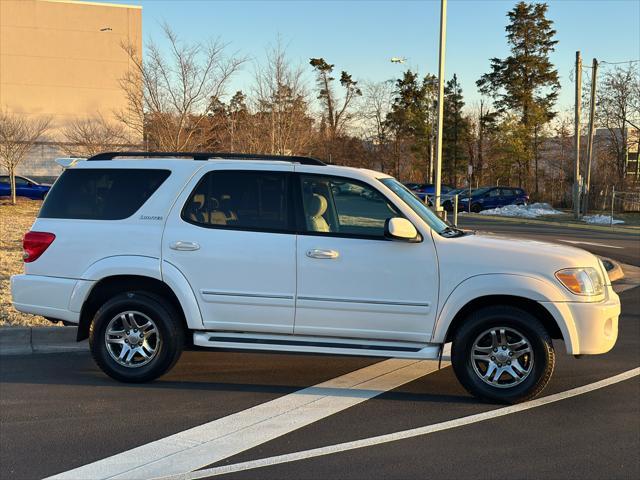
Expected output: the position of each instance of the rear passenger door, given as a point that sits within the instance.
(508, 196)
(492, 199)
(231, 234)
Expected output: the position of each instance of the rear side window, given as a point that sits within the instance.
(101, 193)
(241, 200)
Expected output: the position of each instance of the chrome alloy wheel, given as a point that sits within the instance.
(132, 339)
(502, 357)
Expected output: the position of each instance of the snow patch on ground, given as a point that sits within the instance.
(534, 210)
(600, 219)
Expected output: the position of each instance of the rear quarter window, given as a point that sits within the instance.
(101, 194)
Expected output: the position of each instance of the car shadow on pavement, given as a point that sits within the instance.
(77, 370)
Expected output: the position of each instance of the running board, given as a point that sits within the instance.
(307, 344)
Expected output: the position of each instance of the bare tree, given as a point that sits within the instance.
(377, 99)
(85, 137)
(168, 96)
(281, 103)
(18, 134)
(617, 108)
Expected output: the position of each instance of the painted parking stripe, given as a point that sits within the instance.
(214, 441)
(414, 432)
(594, 244)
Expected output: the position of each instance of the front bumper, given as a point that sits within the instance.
(589, 328)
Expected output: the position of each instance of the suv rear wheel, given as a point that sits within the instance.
(503, 354)
(136, 337)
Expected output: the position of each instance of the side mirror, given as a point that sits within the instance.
(401, 229)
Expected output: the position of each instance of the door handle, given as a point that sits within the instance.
(318, 253)
(184, 246)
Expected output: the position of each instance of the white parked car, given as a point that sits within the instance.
(151, 255)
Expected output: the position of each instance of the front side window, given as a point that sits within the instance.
(241, 200)
(339, 206)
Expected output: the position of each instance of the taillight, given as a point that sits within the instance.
(35, 243)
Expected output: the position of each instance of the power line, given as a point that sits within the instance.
(620, 63)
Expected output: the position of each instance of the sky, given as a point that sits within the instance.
(362, 36)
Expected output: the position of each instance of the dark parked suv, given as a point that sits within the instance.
(489, 197)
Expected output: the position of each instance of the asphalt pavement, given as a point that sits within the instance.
(58, 412)
(618, 244)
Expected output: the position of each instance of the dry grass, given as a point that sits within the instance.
(15, 220)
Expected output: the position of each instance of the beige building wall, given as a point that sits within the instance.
(63, 58)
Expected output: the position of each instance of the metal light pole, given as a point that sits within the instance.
(443, 38)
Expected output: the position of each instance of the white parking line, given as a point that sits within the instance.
(414, 432)
(214, 441)
(594, 244)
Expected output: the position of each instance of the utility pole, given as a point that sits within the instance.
(576, 137)
(443, 39)
(592, 114)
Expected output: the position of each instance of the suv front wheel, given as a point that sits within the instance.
(503, 354)
(136, 337)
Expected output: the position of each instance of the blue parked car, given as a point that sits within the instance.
(25, 187)
(491, 197)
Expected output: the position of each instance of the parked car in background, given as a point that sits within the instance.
(446, 200)
(492, 197)
(25, 187)
(422, 190)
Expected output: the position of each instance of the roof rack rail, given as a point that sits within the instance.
(208, 156)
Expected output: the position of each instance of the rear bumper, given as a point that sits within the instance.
(47, 296)
(591, 328)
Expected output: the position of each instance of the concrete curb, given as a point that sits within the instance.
(614, 269)
(27, 340)
(617, 228)
(631, 278)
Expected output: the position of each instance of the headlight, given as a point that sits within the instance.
(581, 281)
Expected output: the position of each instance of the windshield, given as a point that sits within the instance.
(415, 204)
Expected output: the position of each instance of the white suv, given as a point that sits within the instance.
(153, 253)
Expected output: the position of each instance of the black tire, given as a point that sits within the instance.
(513, 320)
(170, 332)
(476, 208)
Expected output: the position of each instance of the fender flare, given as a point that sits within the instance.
(513, 285)
(141, 266)
(181, 287)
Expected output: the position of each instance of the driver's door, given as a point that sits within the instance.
(352, 282)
